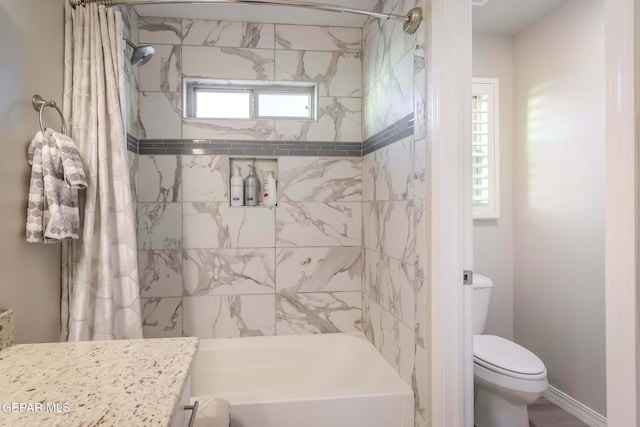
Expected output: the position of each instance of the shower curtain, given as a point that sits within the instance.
(100, 290)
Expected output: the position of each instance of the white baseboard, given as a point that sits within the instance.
(575, 408)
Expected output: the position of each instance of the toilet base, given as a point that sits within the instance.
(492, 410)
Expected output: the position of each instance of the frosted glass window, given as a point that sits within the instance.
(223, 105)
(284, 105)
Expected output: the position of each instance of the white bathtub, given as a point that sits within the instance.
(329, 380)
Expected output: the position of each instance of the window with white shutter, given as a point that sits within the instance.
(485, 149)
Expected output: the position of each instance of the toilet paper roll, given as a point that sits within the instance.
(212, 412)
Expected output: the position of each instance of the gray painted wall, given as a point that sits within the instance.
(493, 239)
(559, 183)
(31, 48)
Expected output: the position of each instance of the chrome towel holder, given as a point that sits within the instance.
(39, 104)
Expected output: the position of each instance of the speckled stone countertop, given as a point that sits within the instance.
(6, 329)
(106, 383)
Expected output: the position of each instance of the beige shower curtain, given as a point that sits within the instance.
(100, 291)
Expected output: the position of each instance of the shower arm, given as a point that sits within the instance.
(411, 20)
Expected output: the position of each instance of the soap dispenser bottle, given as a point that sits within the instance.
(251, 188)
(237, 188)
(269, 196)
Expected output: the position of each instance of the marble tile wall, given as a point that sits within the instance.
(346, 248)
(130, 21)
(214, 271)
(394, 191)
(211, 270)
(187, 48)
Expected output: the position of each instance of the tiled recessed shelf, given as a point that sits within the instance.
(261, 164)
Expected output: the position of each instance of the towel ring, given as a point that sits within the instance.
(39, 105)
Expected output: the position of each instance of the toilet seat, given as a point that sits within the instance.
(507, 358)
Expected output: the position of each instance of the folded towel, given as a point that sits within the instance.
(212, 413)
(56, 176)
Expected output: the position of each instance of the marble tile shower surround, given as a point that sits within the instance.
(395, 132)
(394, 193)
(212, 270)
(130, 21)
(346, 249)
(186, 48)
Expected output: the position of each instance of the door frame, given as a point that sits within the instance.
(621, 219)
(449, 82)
(448, 124)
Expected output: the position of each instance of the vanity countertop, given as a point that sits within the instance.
(91, 383)
(6, 329)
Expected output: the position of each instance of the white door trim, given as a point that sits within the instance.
(448, 123)
(450, 45)
(621, 226)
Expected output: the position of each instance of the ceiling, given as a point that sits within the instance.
(259, 13)
(508, 17)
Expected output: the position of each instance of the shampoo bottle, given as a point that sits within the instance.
(251, 188)
(269, 196)
(237, 188)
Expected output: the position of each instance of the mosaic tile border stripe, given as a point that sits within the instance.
(397, 131)
(132, 143)
(249, 147)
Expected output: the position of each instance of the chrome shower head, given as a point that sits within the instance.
(141, 54)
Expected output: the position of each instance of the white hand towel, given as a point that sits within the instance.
(212, 413)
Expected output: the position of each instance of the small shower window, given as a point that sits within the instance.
(210, 99)
(219, 103)
(285, 104)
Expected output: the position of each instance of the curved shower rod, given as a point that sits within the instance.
(411, 20)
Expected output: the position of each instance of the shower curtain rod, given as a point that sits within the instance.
(411, 20)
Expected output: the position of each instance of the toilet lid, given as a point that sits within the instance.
(506, 357)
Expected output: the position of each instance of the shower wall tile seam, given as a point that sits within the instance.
(394, 315)
(404, 262)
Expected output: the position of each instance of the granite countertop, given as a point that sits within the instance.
(110, 383)
(6, 329)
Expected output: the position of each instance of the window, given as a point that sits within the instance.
(210, 99)
(485, 149)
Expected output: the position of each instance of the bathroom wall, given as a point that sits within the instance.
(209, 270)
(395, 208)
(32, 63)
(493, 239)
(559, 100)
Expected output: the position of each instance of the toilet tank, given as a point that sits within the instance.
(481, 298)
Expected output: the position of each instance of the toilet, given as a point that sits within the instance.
(507, 376)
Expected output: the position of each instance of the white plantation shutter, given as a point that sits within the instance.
(484, 141)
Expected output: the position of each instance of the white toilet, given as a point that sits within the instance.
(507, 376)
